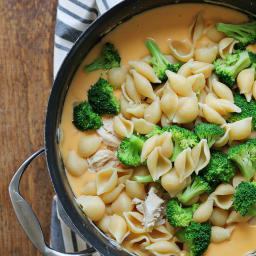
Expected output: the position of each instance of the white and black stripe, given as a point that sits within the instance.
(73, 18)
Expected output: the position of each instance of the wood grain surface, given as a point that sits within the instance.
(26, 62)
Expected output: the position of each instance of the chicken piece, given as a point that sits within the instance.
(152, 209)
(108, 134)
(102, 159)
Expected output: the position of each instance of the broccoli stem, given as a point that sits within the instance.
(95, 65)
(144, 179)
(245, 166)
(155, 52)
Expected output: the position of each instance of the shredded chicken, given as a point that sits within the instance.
(102, 159)
(152, 209)
(108, 134)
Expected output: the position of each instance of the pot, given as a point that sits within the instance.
(86, 228)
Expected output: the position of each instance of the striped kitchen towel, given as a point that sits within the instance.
(73, 18)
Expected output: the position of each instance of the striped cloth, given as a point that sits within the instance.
(73, 18)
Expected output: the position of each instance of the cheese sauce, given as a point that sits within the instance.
(161, 24)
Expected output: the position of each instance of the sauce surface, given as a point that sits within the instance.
(160, 24)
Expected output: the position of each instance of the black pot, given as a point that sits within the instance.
(84, 44)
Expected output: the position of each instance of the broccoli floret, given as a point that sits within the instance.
(101, 98)
(227, 70)
(244, 155)
(245, 34)
(179, 216)
(219, 170)
(245, 198)
(210, 132)
(108, 59)
(197, 187)
(182, 139)
(197, 237)
(156, 131)
(130, 149)
(248, 109)
(160, 62)
(84, 118)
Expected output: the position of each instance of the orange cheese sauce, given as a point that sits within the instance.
(161, 24)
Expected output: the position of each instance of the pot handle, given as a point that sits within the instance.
(27, 217)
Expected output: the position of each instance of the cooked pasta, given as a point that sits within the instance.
(147, 174)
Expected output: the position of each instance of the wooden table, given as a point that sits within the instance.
(26, 62)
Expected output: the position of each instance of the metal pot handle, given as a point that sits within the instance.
(27, 217)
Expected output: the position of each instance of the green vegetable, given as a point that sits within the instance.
(219, 170)
(244, 155)
(197, 187)
(245, 198)
(245, 34)
(160, 62)
(84, 118)
(248, 110)
(129, 151)
(101, 98)
(178, 216)
(156, 131)
(227, 70)
(108, 59)
(182, 139)
(210, 132)
(197, 237)
(144, 179)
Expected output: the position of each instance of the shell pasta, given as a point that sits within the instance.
(171, 138)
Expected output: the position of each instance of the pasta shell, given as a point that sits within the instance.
(254, 90)
(213, 34)
(106, 180)
(186, 69)
(212, 116)
(197, 28)
(138, 240)
(103, 223)
(198, 67)
(206, 54)
(245, 81)
(182, 50)
(237, 180)
(165, 121)
(116, 76)
(222, 91)
(219, 217)
(142, 85)
(137, 110)
(124, 105)
(240, 130)
(135, 222)
(158, 164)
(118, 228)
(163, 248)
(219, 234)
(89, 144)
(145, 69)
(122, 204)
(89, 189)
(122, 126)
(160, 233)
(153, 112)
(201, 155)
(187, 110)
(171, 183)
(128, 88)
(184, 164)
(179, 84)
(135, 189)
(148, 147)
(198, 82)
(169, 102)
(142, 126)
(222, 141)
(226, 46)
(112, 196)
(223, 196)
(204, 211)
(166, 144)
(236, 217)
